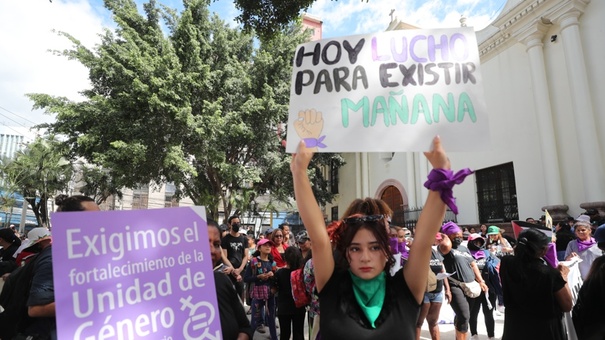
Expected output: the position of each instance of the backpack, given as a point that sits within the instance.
(13, 299)
(431, 283)
(299, 293)
(492, 266)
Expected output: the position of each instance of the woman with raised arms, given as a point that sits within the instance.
(358, 298)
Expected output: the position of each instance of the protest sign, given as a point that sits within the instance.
(389, 91)
(141, 274)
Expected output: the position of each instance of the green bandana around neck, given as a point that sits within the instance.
(370, 295)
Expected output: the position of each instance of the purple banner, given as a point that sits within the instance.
(141, 274)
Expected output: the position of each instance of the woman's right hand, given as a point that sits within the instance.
(437, 156)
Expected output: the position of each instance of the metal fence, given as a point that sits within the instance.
(411, 215)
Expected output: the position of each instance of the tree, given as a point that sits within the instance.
(40, 171)
(98, 183)
(268, 17)
(7, 195)
(198, 105)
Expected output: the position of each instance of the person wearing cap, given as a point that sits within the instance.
(431, 305)
(584, 246)
(589, 310)
(10, 243)
(476, 246)
(458, 260)
(304, 243)
(496, 243)
(41, 301)
(260, 274)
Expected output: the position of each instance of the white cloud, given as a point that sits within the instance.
(348, 17)
(26, 66)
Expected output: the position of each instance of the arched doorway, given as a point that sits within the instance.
(392, 196)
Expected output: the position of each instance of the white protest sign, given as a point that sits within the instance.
(389, 91)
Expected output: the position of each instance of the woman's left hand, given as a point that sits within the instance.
(483, 286)
(437, 156)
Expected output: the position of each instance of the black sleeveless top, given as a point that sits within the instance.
(342, 318)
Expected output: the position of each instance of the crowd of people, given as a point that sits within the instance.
(362, 277)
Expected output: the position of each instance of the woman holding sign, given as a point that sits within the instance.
(358, 298)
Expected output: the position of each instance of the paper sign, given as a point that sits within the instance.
(389, 91)
(141, 274)
(442, 276)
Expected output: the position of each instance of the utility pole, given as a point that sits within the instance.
(23, 214)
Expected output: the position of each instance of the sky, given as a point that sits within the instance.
(27, 39)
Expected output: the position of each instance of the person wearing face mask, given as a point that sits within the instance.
(458, 261)
(235, 254)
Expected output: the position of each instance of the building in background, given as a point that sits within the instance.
(541, 63)
(313, 24)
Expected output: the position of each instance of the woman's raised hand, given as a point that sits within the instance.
(437, 156)
(302, 158)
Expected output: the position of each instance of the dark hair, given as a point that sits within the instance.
(273, 235)
(71, 203)
(368, 206)
(563, 225)
(231, 218)
(343, 234)
(213, 224)
(9, 236)
(281, 226)
(293, 257)
(531, 244)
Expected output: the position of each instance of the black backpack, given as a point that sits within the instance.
(14, 319)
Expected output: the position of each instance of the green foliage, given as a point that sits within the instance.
(98, 183)
(199, 105)
(269, 17)
(40, 171)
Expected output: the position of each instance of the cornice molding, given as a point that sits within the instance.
(566, 9)
(522, 23)
(529, 35)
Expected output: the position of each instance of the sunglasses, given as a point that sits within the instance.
(364, 219)
(278, 236)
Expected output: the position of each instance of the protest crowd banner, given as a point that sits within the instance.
(141, 274)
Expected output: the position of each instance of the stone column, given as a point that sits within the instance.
(591, 166)
(411, 180)
(532, 37)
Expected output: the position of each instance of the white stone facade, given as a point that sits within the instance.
(543, 67)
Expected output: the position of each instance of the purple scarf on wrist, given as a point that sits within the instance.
(583, 245)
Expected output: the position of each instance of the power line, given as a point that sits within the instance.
(20, 133)
(9, 111)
